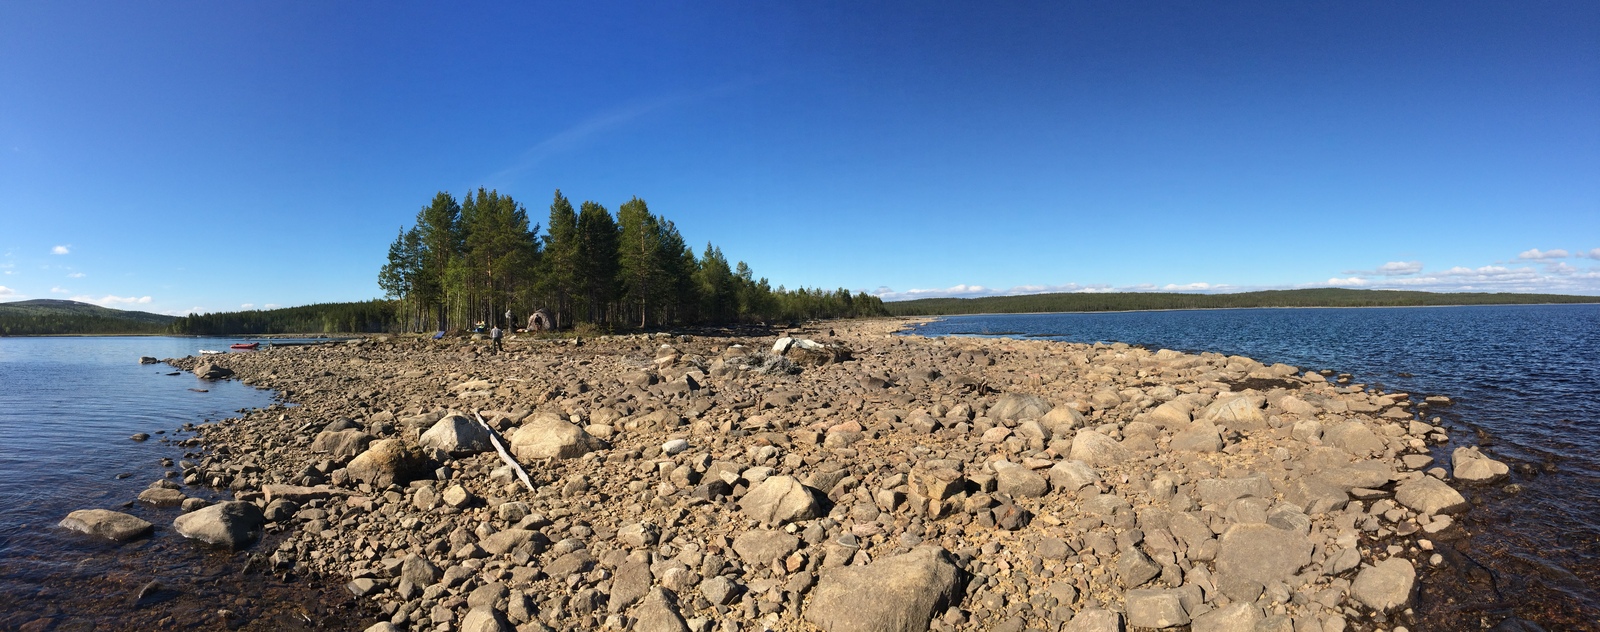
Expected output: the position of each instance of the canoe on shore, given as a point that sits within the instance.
(244, 345)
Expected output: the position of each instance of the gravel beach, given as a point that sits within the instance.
(836, 477)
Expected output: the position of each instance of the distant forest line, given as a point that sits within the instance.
(1133, 301)
(46, 317)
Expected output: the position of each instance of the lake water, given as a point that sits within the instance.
(67, 408)
(1526, 382)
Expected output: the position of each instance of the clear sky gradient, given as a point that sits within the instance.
(179, 156)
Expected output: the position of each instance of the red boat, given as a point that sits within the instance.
(244, 345)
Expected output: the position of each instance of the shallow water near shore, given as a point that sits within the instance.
(67, 408)
(1525, 380)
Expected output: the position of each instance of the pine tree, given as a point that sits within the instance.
(559, 280)
(597, 260)
(718, 294)
(439, 227)
(642, 266)
(400, 278)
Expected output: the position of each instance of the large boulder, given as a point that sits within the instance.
(209, 371)
(1386, 585)
(1353, 437)
(1169, 415)
(419, 571)
(1237, 412)
(502, 542)
(485, 619)
(1429, 495)
(341, 443)
(1202, 436)
(1019, 482)
(1095, 620)
(1472, 466)
(105, 523)
(1234, 617)
(1072, 475)
(895, 594)
(760, 547)
(1017, 407)
(780, 499)
(457, 436)
(1061, 420)
(1155, 609)
(231, 524)
(1261, 553)
(388, 462)
(658, 612)
(547, 436)
(809, 352)
(1097, 449)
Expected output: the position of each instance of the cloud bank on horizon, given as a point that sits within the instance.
(1549, 275)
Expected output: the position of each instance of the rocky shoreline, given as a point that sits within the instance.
(837, 478)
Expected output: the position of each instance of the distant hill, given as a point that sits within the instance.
(1124, 301)
(322, 318)
(54, 317)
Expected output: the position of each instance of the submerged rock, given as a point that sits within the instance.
(1472, 466)
(108, 524)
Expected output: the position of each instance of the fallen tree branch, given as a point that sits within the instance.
(494, 438)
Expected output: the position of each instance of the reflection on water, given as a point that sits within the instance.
(67, 408)
(1526, 381)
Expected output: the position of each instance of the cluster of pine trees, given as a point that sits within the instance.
(470, 261)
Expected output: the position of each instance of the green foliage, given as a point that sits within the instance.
(462, 264)
(597, 261)
(44, 317)
(560, 266)
(1127, 301)
(325, 318)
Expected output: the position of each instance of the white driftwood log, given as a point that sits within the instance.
(494, 437)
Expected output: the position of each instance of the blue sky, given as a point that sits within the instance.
(207, 156)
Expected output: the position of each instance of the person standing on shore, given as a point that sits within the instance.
(510, 324)
(494, 334)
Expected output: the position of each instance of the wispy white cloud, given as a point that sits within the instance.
(1592, 254)
(1535, 253)
(5, 291)
(271, 306)
(185, 312)
(76, 275)
(109, 300)
(247, 306)
(60, 290)
(1354, 281)
(61, 250)
(576, 135)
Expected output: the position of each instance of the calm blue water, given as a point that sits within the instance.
(1527, 375)
(67, 408)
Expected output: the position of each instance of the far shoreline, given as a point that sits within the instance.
(1218, 309)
